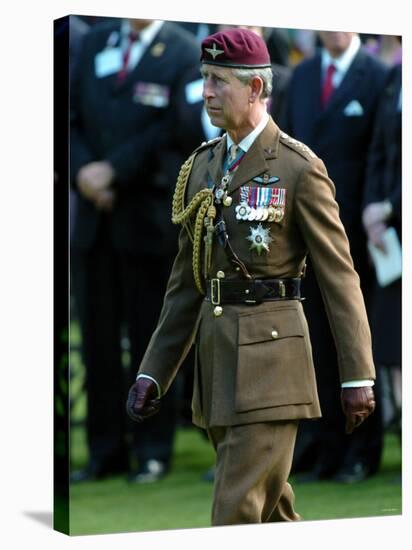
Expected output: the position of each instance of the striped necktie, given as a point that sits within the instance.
(328, 86)
(132, 37)
(233, 159)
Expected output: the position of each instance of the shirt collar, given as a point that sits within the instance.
(343, 62)
(146, 35)
(248, 141)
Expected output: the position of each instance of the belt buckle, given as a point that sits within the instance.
(282, 289)
(215, 290)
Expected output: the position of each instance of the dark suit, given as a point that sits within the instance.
(342, 141)
(122, 258)
(384, 182)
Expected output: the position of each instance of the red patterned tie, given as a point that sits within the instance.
(132, 37)
(328, 86)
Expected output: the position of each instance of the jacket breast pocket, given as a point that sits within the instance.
(273, 360)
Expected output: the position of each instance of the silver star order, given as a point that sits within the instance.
(260, 238)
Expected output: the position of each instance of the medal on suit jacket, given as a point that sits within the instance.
(261, 204)
(260, 239)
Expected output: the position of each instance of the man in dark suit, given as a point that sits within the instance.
(332, 105)
(124, 162)
(252, 204)
(382, 210)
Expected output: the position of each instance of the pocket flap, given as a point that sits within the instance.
(266, 325)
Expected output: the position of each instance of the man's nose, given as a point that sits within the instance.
(207, 89)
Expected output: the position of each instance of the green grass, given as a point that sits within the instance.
(183, 499)
(180, 500)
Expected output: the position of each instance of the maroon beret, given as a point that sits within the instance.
(238, 48)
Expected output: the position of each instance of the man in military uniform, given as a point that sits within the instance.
(250, 217)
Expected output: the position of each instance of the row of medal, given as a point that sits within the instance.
(261, 204)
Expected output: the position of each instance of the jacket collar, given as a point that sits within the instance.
(254, 163)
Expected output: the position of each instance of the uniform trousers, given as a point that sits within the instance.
(118, 298)
(253, 462)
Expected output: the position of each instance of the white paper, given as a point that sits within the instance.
(108, 62)
(388, 266)
(194, 91)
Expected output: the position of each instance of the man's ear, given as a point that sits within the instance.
(256, 86)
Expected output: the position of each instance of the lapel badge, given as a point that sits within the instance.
(158, 49)
(260, 239)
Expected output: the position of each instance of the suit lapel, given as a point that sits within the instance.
(254, 162)
(350, 83)
(145, 63)
(314, 88)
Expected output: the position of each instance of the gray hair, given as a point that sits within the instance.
(266, 74)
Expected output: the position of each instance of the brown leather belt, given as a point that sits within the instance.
(220, 291)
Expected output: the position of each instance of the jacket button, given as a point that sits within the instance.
(217, 312)
(220, 274)
(275, 334)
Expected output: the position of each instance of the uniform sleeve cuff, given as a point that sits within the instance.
(159, 389)
(357, 383)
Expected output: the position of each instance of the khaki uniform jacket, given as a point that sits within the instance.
(242, 374)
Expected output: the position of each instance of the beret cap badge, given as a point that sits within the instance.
(214, 51)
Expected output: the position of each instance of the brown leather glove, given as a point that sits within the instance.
(357, 404)
(143, 400)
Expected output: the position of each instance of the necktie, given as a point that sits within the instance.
(131, 39)
(328, 86)
(234, 157)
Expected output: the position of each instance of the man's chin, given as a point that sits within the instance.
(216, 121)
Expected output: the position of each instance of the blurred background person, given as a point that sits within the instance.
(386, 47)
(383, 209)
(332, 104)
(124, 164)
(78, 28)
(303, 44)
(199, 30)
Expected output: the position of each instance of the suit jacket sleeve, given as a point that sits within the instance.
(317, 215)
(80, 152)
(173, 337)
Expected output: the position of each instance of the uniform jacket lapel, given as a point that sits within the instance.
(254, 163)
(215, 164)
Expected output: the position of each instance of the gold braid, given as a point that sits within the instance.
(199, 206)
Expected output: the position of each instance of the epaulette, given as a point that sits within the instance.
(206, 144)
(297, 146)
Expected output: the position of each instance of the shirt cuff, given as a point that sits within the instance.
(159, 389)
(357, 383)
